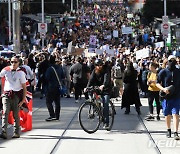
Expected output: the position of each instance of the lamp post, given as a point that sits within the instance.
(165, 14)
(9, 16)
(16, 25)
(165, 8)
(42, 21)
(71, 5)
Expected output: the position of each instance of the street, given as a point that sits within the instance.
(130, 134)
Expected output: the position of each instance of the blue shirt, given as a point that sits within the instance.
(167, 78)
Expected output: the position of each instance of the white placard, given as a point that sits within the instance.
(159, 44)
(129, 15)
(115, 33)
(109, 37)
(127, 52)
(144, 53)
(69, 49)
(99, 51)
(127, 30)
(110, 52)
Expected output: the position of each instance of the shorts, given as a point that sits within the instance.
(171, 106)
(118, 83)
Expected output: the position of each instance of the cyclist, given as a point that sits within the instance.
(101, 77)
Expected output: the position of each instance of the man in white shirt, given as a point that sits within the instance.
(13, 96)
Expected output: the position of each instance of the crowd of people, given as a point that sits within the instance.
(133, 77)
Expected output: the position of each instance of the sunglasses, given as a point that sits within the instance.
(15, 62)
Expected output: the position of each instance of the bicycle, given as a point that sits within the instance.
(91, 112)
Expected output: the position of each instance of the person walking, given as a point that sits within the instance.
(130, 95)
(14, 95)
(153, 91)
(52, 93)
(169, 84)
(80, 74)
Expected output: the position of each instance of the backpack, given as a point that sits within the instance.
(117, 72)
(145, 75)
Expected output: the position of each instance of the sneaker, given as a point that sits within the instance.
(68, 96)
(176, 136)
(158, 118)
(106, 126)
(76, 101)
(16, 135)
(150, 118)
(126, 112)
(50, 119)
(168, 134)
(3, 135)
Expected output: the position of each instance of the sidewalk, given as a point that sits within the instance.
(130, 134)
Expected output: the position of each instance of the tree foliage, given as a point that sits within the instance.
(155, 8)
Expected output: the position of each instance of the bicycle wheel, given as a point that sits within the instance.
(89, 117)
(111, 115)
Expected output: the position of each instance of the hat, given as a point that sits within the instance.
(171, 57)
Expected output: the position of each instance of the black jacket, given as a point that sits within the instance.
(104, 78)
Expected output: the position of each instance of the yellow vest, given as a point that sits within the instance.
(152, 77)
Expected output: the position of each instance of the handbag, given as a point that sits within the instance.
(62, 88)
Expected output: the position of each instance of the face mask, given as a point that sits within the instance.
(172, 65)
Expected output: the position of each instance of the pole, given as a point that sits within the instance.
(9, 10)
(165, 8)
(165, 13)
(71, 5)
(42, 21)
(77, 5)
(16, 26)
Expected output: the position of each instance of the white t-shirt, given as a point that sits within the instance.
(13, 79)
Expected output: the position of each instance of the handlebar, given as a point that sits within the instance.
(93, 89)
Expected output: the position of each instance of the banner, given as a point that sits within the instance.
(144, 53)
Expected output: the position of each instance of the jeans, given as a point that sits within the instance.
(105, 100)
(8, 105)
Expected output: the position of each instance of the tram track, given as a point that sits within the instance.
(149, 134)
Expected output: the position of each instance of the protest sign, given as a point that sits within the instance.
(92, 40)
(129, 15)
(144, 53)
(159, 44)
(127, 30)
(127, 52)
(115, 33)
(99, 51)
(69, 49)
(110, 52)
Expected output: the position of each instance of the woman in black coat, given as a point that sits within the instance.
(130, 95)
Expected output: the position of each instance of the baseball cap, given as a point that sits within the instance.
(171, 57)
